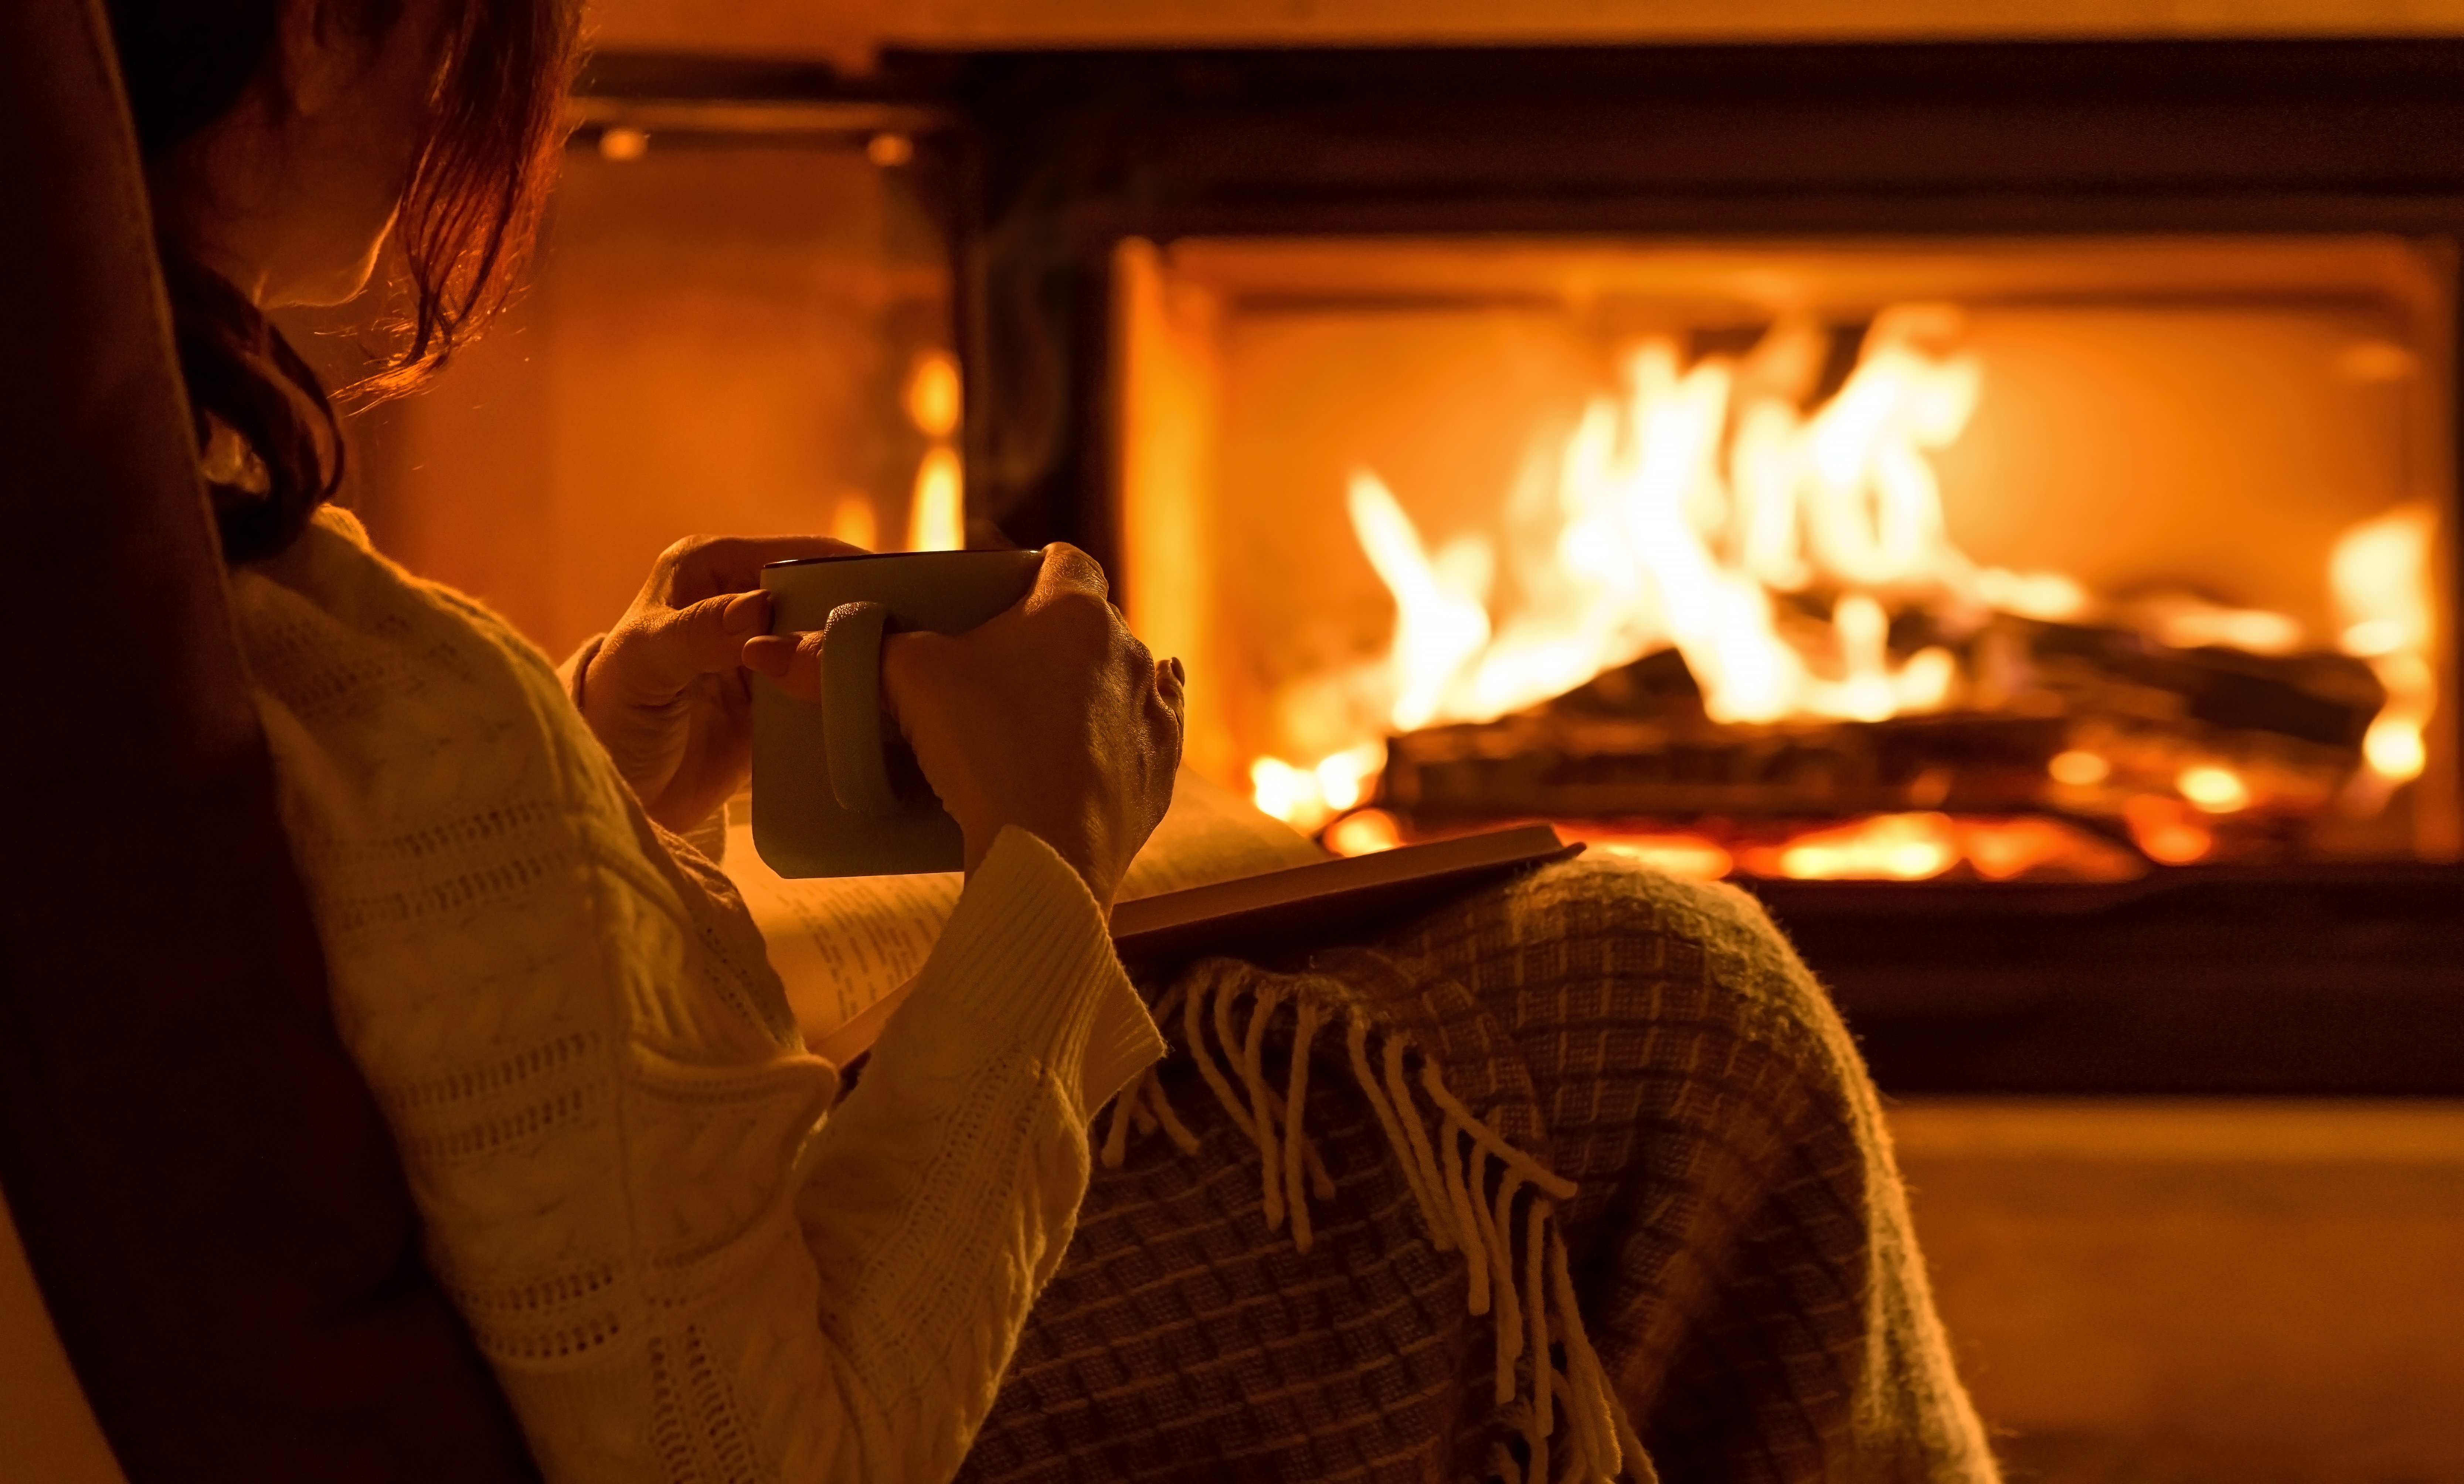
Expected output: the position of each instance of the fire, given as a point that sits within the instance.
(2380, 571)
(1307, 798)
(1888, 847)
(2166, 830)
(853, 521)
(2213, 788)
(936, 510)
(1677, 512)
(1881, 848)
(935, 519)
(1712, 509)
(1689, 857)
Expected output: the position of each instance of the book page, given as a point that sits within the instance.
(1212, 835)
(844, 944)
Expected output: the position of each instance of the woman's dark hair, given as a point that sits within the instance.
(465, 220)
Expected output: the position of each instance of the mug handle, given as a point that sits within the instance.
(851, 708)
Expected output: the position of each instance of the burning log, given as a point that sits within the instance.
(1567, 765)
(2061, 718)
(2323, 700)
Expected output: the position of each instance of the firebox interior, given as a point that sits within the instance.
(2143, 538)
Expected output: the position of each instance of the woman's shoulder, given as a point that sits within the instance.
(335, 567)
(386, 676)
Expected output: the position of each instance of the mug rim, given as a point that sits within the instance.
(815, 561)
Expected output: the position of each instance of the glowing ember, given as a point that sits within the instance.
(2079, 768)
(1883, 847)
(1887, 847)
(2006, 849)
(2167, 831)
(2214, 789)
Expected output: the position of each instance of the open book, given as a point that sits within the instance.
(1216, 871)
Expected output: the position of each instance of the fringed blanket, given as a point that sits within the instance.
(1579, 1178)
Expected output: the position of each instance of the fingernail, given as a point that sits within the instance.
(748, 611)
(769, 654)
(1177, 674)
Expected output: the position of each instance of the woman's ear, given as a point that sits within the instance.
(321, 47)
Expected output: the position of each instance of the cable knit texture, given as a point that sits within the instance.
(680, 1269)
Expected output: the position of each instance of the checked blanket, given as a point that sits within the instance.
(1577, 1178)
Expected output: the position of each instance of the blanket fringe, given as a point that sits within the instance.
(1533, 1300)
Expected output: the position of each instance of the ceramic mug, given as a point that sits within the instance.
(835, 791)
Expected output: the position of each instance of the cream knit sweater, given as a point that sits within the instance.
(681, 1269)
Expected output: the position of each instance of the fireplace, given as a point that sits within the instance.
(2060, 437)
(2146, 348)
(2060, 559)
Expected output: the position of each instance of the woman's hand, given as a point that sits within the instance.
(1050, 716)
(666, 692)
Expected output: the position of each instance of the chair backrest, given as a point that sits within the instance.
(207, 1192)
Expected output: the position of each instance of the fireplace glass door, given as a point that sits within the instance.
(2069, 558)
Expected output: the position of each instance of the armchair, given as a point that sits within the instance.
(208, 1197)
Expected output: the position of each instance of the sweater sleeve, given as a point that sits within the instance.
(938, 1199)
(858, 1327)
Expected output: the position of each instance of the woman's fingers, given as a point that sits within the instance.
(657, 654)
(707, 638)
(703, 566)
(1171, 695)
(1068, 571)
(1051, 716)
(665, 695)
(793, 660)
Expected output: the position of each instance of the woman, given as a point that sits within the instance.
(606, 1111)
(1604, 1115)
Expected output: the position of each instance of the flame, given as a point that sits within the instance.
(1441, 616)
(2380, 572)
(932, 395)
(853, 521)
(935, 520)
(1667, 529)
(1307, 798)
(1677, 512)
(936, 515)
